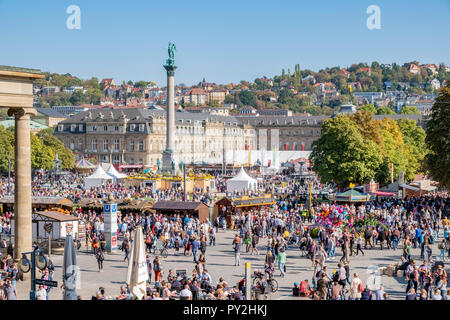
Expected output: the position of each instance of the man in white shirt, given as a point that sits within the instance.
(186, 294)
(41, 294)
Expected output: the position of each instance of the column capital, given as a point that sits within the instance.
(20, 112)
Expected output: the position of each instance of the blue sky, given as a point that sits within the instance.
(223, 41)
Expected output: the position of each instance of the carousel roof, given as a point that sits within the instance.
(84, 164)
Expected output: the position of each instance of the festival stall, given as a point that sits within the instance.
(228, 206)
(98, 178)
(352, 196)
(242, 182)
(196, 209)
(38, 203)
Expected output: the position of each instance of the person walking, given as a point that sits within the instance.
(237, 250)
(157, 268)
(100, 258)
(358, 245)
(356, 288)
(282, 262)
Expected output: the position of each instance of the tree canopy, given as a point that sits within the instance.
(438, 138)
(357, 148)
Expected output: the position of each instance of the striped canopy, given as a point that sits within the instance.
(352, 196)
(84, 164)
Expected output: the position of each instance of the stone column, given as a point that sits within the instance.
(170, 135)
(22, 193)
(169, 163)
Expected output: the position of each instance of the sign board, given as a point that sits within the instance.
(110, 226)
(47, 282)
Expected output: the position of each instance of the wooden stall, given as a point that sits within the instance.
(228, 206)
(196, 209)
(39, 203)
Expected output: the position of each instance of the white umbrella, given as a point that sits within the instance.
(137, 274)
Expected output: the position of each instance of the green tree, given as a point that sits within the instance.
(368, 107)
(78, 98)
(49, 140)
(228, 99)
(247, 98)
(342, 155)
(438, 138)
(41, 156)
(409, 110)
(7, 147)
(385, 111)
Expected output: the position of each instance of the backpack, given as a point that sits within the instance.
(360, 287)
(335, 276)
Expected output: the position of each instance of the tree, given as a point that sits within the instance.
(228, 99)
(41, 156)
(247, 98)
(385, 111)
(93, 96)
(51, 141)
(409, 110)
(368, 107)
(342, 155)
(7, 147)
(141, 84)
(438, 138)
(78, 98)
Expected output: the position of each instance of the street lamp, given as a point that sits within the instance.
(9, 172)
(39, 261)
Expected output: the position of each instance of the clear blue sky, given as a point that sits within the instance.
(223, 41)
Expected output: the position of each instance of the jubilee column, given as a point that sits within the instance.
(169, 154)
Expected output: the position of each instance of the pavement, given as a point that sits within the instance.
(220, 263)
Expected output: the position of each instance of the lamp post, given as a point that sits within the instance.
(41, 263)
(9, 172)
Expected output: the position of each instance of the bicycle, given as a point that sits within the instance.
(272, 284)
(163, 252)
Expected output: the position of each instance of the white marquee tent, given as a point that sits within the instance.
(242, 181)
(97, 178)
(109, 169)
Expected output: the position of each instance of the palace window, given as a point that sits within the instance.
(116, 145)
(131, 145)
(141, 145)
(105, 145)
(94, 145)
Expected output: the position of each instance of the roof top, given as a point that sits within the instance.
(19, 69)
(177, 205)
(55, 216)
(41, 200)
(51, 112)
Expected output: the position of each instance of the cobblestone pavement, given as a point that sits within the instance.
(220, 262)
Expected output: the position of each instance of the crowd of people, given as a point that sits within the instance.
(320, 231)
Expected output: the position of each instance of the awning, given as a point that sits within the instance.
(131, 166)
(409, 187)
(384, 194)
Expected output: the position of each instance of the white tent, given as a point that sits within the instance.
(109, 169)
(97, 178)
(242, 181)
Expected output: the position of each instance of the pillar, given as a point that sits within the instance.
(170, 135)
(169, 162)
(22, 192)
